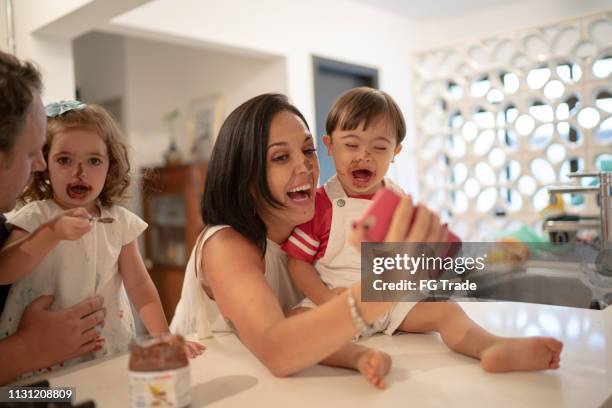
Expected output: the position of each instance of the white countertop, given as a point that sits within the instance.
(425, 372)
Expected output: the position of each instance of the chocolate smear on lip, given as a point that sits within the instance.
(362, 174)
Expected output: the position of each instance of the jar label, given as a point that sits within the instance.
(169, 388)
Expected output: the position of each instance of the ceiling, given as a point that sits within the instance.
(435, 8)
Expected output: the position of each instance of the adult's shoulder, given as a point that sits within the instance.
(227, 252)
(229, 240)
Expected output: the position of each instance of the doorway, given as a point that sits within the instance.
(331, 79)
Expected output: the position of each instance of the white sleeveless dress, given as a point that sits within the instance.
(197, 313)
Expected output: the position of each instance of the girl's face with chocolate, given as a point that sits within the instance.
(78, 165)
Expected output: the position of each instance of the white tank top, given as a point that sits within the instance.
(197, 313)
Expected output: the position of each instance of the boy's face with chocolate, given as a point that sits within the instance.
(362, 156)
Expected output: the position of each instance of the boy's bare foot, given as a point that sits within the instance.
(374, 365)
(522, 354)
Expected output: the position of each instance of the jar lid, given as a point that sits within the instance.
(158, 353)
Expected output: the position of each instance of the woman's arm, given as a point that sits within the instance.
(284, 345)
(307, 280)
(141, 290)
(287, 345)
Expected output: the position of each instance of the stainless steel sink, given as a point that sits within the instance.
(548, 284)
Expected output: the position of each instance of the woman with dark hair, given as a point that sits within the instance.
(260, 184)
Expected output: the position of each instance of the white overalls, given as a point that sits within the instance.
(340, 266)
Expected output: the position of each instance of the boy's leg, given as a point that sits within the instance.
(463, 335)
(371, 363)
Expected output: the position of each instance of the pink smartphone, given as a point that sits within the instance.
(379, 213)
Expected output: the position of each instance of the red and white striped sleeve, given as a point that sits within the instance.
(302, 243)
(308, 241)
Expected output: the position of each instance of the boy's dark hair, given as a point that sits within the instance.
(363, 105)
(19, 81)
(236, 186)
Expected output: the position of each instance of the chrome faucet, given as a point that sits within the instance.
(605, 192)
(604, 260)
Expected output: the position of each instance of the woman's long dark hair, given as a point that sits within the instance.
(236, 182)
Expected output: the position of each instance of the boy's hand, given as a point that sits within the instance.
(71, 224)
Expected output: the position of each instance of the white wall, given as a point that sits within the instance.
(504, 18)
(163, 77)
(99, 66)
(44, 35)
(344, 30)
(53, 56)
(341, 29)
(4, 25)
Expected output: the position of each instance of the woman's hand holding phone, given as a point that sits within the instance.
(394, 218)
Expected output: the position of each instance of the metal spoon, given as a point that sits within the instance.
(103, 220)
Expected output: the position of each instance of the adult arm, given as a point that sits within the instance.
(22, 251)
(286, 345)
(46, 337)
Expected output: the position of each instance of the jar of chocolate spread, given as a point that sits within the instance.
(159, 372)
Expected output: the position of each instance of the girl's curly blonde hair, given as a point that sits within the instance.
(96, 118)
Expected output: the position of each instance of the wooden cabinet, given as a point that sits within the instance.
(171, 204)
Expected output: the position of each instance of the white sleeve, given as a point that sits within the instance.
(29, 217)
(132, 225)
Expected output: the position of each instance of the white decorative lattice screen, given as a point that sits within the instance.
(501, 118)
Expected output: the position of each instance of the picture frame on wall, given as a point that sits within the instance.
(205, 118)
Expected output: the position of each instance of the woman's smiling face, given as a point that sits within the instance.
(292, 170)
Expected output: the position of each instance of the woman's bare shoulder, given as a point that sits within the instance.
(228, 246)
(229, 237)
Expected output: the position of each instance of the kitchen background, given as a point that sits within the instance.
(501, 98)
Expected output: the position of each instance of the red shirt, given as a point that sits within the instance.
(309, 240)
